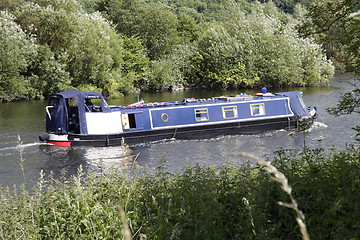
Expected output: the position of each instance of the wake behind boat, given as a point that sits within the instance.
(77, 118)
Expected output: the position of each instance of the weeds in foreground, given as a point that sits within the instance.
(280, 178)
(230, 201)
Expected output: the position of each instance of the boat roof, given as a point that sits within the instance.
(79, 94)
(195, 101)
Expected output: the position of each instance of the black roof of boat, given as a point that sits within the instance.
(75, 93)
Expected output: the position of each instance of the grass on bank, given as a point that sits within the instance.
(230, 201)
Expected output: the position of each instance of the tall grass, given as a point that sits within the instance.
(229, 201)
(279, 177)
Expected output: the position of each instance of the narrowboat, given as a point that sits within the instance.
(75, 118)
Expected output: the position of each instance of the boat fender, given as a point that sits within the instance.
(44, 137)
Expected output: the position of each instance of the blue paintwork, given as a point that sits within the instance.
(183, 115)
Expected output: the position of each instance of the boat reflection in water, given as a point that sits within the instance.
(105, 158)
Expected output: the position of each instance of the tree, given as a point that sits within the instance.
(333, 23)
(125, 14)
(86, 45)
(156, 27)
(217, 61)
(352, 41)
(16, 52)
(336, 24)
(287, 6)
(262, 44)
(10, 5)
(47, 75)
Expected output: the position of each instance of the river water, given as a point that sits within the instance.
(22, 122)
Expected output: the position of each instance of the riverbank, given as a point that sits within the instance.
(227, 201)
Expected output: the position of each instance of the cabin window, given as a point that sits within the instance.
(92, 104)
(73, 102)
(257, 109)
(301, 101)
(230, 112)
(164, 117)
(55, 102)
(201, 114)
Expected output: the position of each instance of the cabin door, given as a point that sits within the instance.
(128, 121)
(73, 115)
(125, 121)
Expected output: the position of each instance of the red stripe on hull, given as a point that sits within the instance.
(60, 144)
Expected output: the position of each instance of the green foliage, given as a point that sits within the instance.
(325, 186)
(47, 75)
(187, 29)
(159, 32)
(10, 5)
(349, 103)
(287, 6)
(157, 28)
(170, 72)
(335, 25)
(161, 45)
(125, 14)
(261, 45)
(229, 201)
(357, 135)
(352, 42)
(136, 63)
(217, 63)
(16, 53)
(85, 49)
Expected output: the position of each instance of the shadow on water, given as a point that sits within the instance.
(28, 120)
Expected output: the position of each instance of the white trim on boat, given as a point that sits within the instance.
(57, 137)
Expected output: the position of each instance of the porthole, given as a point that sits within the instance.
(164, 117)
